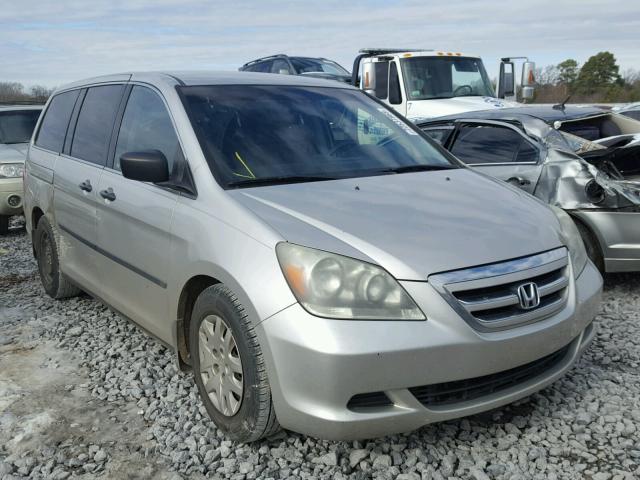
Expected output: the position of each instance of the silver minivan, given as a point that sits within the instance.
(312, 257)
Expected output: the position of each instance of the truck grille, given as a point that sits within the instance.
(508, 294)
(448, 393)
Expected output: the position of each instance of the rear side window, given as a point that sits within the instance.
(56, 119)
(482, 144)
(95, 122)
(146, 125)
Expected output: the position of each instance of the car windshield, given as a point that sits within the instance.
(17, 126)
(427, 78)
(309, 65)
(257, 134)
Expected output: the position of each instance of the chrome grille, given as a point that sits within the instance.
(487, 296)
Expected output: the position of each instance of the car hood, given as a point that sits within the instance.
(425, 109)
(13, 152)
(412, 224)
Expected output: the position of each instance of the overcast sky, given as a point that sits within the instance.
(56, 41)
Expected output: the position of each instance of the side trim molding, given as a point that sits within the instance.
(118, 260)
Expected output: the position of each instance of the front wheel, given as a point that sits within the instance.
(229, 367)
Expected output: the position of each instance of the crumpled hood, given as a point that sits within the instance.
(13, 153)
(412, 224)
(426, 109)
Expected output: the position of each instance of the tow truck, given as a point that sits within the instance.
(423, 84)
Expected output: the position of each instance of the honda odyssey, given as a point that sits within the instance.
(314, 259)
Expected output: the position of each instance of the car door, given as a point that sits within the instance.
(134, 218)
(498, 149)
(76, 177)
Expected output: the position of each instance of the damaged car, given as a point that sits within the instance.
(581, 159)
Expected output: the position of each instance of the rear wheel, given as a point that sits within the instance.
(229, 368)
(47, 247)
(4, 224)
(591, 244)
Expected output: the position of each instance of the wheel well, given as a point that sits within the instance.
(586, 230)
(188, 296)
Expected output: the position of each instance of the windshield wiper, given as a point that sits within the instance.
(279, 180)
(415, 168)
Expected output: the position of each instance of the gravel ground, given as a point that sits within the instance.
(84, 393)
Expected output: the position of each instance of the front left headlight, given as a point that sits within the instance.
(11, 170)
(572, 240)
(334, 286)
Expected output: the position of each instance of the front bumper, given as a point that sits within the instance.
(10, 187)
(316, 365)
(618, 233)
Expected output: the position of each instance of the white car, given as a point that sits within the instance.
(16, 126)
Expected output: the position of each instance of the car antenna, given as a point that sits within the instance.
(560, 106)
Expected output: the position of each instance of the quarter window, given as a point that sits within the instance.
(56, 119)
(440, 135)
(146, 125)
(482, 144)
(95, 122)
(280, 66)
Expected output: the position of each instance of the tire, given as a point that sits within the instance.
(4, 224)
(243, 414)
(592, 246)
(47, 248)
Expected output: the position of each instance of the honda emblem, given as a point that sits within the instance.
(528, 296)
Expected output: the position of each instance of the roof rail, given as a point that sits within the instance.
(261, 59)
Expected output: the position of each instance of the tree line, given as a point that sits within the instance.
(11, 92)
(598, 80)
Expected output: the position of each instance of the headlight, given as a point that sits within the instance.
(333, 286)
(572, 240)
(11, 170)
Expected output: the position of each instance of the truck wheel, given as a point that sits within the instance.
(47, 247)
(4, 224)
(592, 246)
(229, 368)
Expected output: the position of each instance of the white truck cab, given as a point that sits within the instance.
(422, 84)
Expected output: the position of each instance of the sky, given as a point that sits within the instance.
(52, 42)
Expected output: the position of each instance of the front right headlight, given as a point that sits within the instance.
(11, 170)
(334, 286)
(572, 240)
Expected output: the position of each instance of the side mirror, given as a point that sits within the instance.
(528, 74)
(506, 81)
(146, 166)
(369, 77)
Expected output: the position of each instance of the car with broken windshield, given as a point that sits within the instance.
(581, 159)
(311, 256)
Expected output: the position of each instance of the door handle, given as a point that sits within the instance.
(519, 181)
(86, 186)
(108, 194)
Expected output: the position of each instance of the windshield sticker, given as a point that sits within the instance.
(397, 121)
